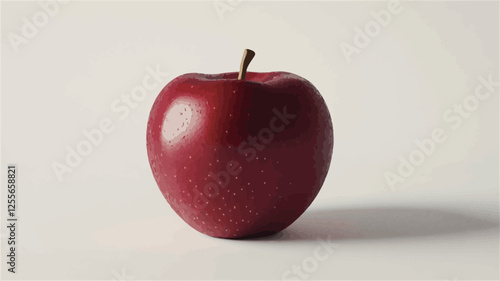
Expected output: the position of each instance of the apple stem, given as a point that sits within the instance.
(245, 61)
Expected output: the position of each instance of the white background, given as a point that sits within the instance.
(107, 217)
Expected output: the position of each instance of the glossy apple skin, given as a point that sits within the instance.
(239, 158)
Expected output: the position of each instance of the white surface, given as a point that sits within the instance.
(107, 217)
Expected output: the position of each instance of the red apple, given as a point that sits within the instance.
(239, 154)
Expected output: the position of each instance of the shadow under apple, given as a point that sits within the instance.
(380, 223)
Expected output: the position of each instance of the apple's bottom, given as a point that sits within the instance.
(257, 235)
